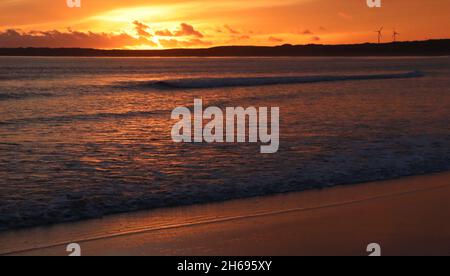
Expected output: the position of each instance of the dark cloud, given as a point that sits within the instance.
(307, 32)
(188, 30)
(141, 29)
(231, 30)
(184, 30)
(315, 38)
(275, 39)
(69, 39)
(164, 33)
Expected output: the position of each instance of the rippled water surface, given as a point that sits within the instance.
(84, 137)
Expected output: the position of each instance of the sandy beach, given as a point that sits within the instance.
(407, 216)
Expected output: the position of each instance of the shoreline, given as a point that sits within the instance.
(304, 217)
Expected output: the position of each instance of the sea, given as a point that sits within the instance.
(82, 138)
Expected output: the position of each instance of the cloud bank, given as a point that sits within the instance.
(185, 36)
(69, 39)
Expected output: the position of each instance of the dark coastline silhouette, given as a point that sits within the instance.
(414, 48)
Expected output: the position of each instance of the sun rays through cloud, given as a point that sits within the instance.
(140, 24)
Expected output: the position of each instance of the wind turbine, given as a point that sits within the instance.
(380, 35)
(394, 35)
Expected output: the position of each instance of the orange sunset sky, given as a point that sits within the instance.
(156, 24)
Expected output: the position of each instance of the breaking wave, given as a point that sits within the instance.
(204, 83)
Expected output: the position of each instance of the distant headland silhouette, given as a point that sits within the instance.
(439, 47)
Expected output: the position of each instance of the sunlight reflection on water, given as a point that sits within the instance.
(74, 145)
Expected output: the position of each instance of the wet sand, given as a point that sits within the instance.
(408, 216)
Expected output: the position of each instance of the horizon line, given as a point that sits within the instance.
(432, 47)
(233, 46)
